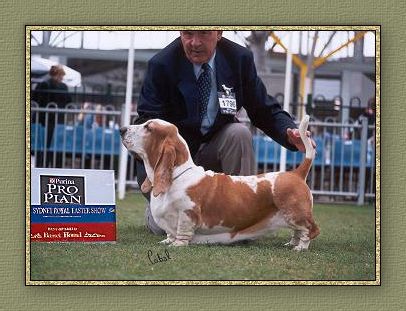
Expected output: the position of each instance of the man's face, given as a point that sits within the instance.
(199, 46)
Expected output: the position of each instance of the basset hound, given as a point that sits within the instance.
(197, 206)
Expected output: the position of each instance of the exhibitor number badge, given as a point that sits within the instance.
(227, 101)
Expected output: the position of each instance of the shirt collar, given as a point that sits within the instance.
(197, 67)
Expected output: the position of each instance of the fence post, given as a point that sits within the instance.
(286, 98)
(125, 118)
(363, 160)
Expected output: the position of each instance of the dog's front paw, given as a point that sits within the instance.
(295, 240)
(167, 241)
(180, 243)
(303, 246)
(299, 248)
(291, 243)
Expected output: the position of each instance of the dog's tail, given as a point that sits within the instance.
(303, 169)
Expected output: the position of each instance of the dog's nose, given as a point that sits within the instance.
(123, 130)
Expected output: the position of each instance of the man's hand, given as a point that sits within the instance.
(295, 140)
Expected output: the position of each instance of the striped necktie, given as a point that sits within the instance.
(204, 84)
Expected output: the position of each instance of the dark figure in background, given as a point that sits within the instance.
(55, 91)
(369, 113)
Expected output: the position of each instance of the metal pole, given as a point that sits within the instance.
(125, 118)
(286, 98)
(363, 160)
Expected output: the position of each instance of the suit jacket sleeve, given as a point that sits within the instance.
(153, 94)
(263, 110)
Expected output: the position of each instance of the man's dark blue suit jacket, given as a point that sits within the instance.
(170, 93)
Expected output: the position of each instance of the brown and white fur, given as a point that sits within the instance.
(197, 206)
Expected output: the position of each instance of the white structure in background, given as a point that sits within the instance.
(287, 92)
(41, 66)
(122, 174)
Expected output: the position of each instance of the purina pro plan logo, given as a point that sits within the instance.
(72, 205)
(62, 190)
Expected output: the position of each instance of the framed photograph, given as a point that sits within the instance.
(108, 107)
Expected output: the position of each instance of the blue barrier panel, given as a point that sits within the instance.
(104, 141)
(293, 157)
(67, 138)
(320, 158)
(37, 137)
(57, 143)
(265, 147)
(347, 153)
(77, 139)
(370, 155)
(267, 151)
(97, 140)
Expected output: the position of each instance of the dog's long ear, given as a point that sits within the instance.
(163, 169)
